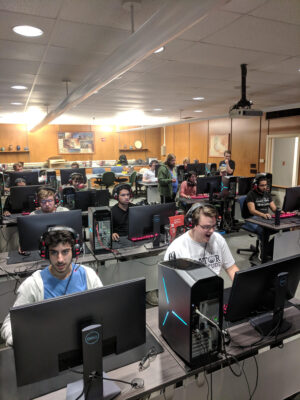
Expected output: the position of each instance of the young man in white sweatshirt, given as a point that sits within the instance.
(60, 278)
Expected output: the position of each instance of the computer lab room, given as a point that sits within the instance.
(150, 199)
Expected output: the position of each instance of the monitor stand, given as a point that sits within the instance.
(94, 389)
(272, 324)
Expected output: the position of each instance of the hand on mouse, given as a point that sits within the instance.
(115, 237)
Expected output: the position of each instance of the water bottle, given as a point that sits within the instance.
(277, 216)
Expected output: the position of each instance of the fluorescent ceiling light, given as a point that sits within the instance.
(159, 50)
(16, 104)
(19, 87)
(198, 98)
(157, 109)
(198, 111)
(27, 30)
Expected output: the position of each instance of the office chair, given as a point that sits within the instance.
(108, 179)
(252, 249)
(96, 171)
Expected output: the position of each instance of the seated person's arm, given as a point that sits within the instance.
(231, 271)
(273, 206)
(145, 177)
(253, 211)
(182, 191)
(27, 293)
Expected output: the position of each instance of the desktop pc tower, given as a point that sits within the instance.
(100, 229)
(188, 292)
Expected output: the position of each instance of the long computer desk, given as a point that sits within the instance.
(269, 228)
(278, 363)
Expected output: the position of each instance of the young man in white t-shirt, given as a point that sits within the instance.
(202, 243)
(149, 174)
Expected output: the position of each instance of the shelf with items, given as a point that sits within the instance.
(133, 150)
(14, 151)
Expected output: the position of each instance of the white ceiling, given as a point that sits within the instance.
(204, 61)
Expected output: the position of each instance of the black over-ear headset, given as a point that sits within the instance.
(258, 177)
(50, 189)
(189, 175)
(76, 248)
(117, 189)
(77, 175)
(189, 218)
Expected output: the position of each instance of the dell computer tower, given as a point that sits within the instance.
(187, 288)
(100, 229)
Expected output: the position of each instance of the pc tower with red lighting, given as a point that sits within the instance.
(100, 229)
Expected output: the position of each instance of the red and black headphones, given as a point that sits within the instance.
(257, 179)
(189, 175)
(190, 220)
(49, 189)
(77, 175)
(117, 189)
(76, 248)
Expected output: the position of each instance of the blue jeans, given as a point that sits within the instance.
(254, 228)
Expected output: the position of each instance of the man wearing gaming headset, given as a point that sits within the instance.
(60, 245)
(188, 188)
(120, 211)
(202, 243)
(48, 202)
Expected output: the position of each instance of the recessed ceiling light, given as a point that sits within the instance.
(198, 98)
(198, 111)
(299, 69)
(16, 104)
(19, 87)
(157, 109)
(159, 50)
(27, 30)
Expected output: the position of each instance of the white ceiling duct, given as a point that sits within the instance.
(156, 32)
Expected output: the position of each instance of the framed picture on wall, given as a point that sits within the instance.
(76, 142)
(217, 145)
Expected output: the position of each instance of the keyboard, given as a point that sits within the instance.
(286, 215)
(124, 242)
(13, 217)
(200, 196)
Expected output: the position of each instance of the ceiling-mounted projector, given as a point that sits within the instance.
(243, 107)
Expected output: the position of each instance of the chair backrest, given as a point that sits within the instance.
(108, 178)
(116, 170)
(98, 170)
(243, 206)
(132, 178)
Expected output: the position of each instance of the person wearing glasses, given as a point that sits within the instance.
(46, 199)
(201, 243)
(61, 277)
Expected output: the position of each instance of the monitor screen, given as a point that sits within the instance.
(65, 174)
(244, 185)
(140, 218)
(253, 289)
(199, 168)
(209, 184)
(31, 177)
(31, 227)
(91, 198)
(48, 334)
(23, 198)
(292, 199)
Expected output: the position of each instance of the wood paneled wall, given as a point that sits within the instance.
(247, 140)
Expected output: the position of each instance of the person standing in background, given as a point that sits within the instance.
(167, 180)
(228, 163)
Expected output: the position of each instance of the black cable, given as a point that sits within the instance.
(256, 380)
(246, 379)
(133, 385)
(211, 386)
(207, 383)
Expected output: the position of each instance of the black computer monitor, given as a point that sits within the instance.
(292, 199)
(208, 184)
(31, 227)
(254, 291)
(65, 174)
(23, 198)
(244, 185)
(31, 177)
(199, 168)
(47, 335)
(140, 219)
(51, 178)
(91, 198)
